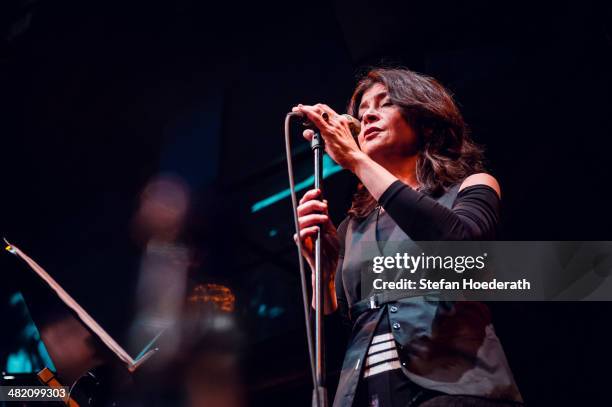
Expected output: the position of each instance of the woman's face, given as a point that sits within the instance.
(385, 134)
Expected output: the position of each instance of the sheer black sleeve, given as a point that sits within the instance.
(474, 215)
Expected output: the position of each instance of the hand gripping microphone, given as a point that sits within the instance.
(354, 124)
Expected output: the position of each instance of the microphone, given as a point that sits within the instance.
(354, 124)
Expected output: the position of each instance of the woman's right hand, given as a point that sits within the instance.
(312, 215)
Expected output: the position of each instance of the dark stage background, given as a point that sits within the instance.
(97, 98)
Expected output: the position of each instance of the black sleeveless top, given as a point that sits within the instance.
(446, 347)
(383, 382)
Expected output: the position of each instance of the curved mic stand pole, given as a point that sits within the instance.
(321, 392)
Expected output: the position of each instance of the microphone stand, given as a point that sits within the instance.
(317, 367)
(316, 355)
(319, 396)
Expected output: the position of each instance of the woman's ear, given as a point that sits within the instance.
(427, 131)
(424, 136)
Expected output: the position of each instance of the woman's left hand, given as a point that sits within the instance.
(336, 132)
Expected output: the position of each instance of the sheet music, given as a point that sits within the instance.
(132, 364)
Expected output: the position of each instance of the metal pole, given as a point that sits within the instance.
(317, 147)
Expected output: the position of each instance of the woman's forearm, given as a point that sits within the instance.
(372, 175)
(330, 303)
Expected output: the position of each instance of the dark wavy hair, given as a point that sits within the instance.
(446, 153)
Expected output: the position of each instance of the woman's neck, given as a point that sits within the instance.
(404, 170)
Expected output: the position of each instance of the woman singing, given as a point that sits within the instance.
(421, 179)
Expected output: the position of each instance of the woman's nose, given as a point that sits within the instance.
(370, 116)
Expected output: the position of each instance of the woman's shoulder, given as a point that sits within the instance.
(481, 178)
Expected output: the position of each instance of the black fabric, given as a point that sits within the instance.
(390, 388)
(343, 305)
(453, 341)
(467, 401)
(384, 229)
(474, 215)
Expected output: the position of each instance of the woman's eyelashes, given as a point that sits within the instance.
(384, 103)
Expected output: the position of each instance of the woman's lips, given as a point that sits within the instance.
(371, 133)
